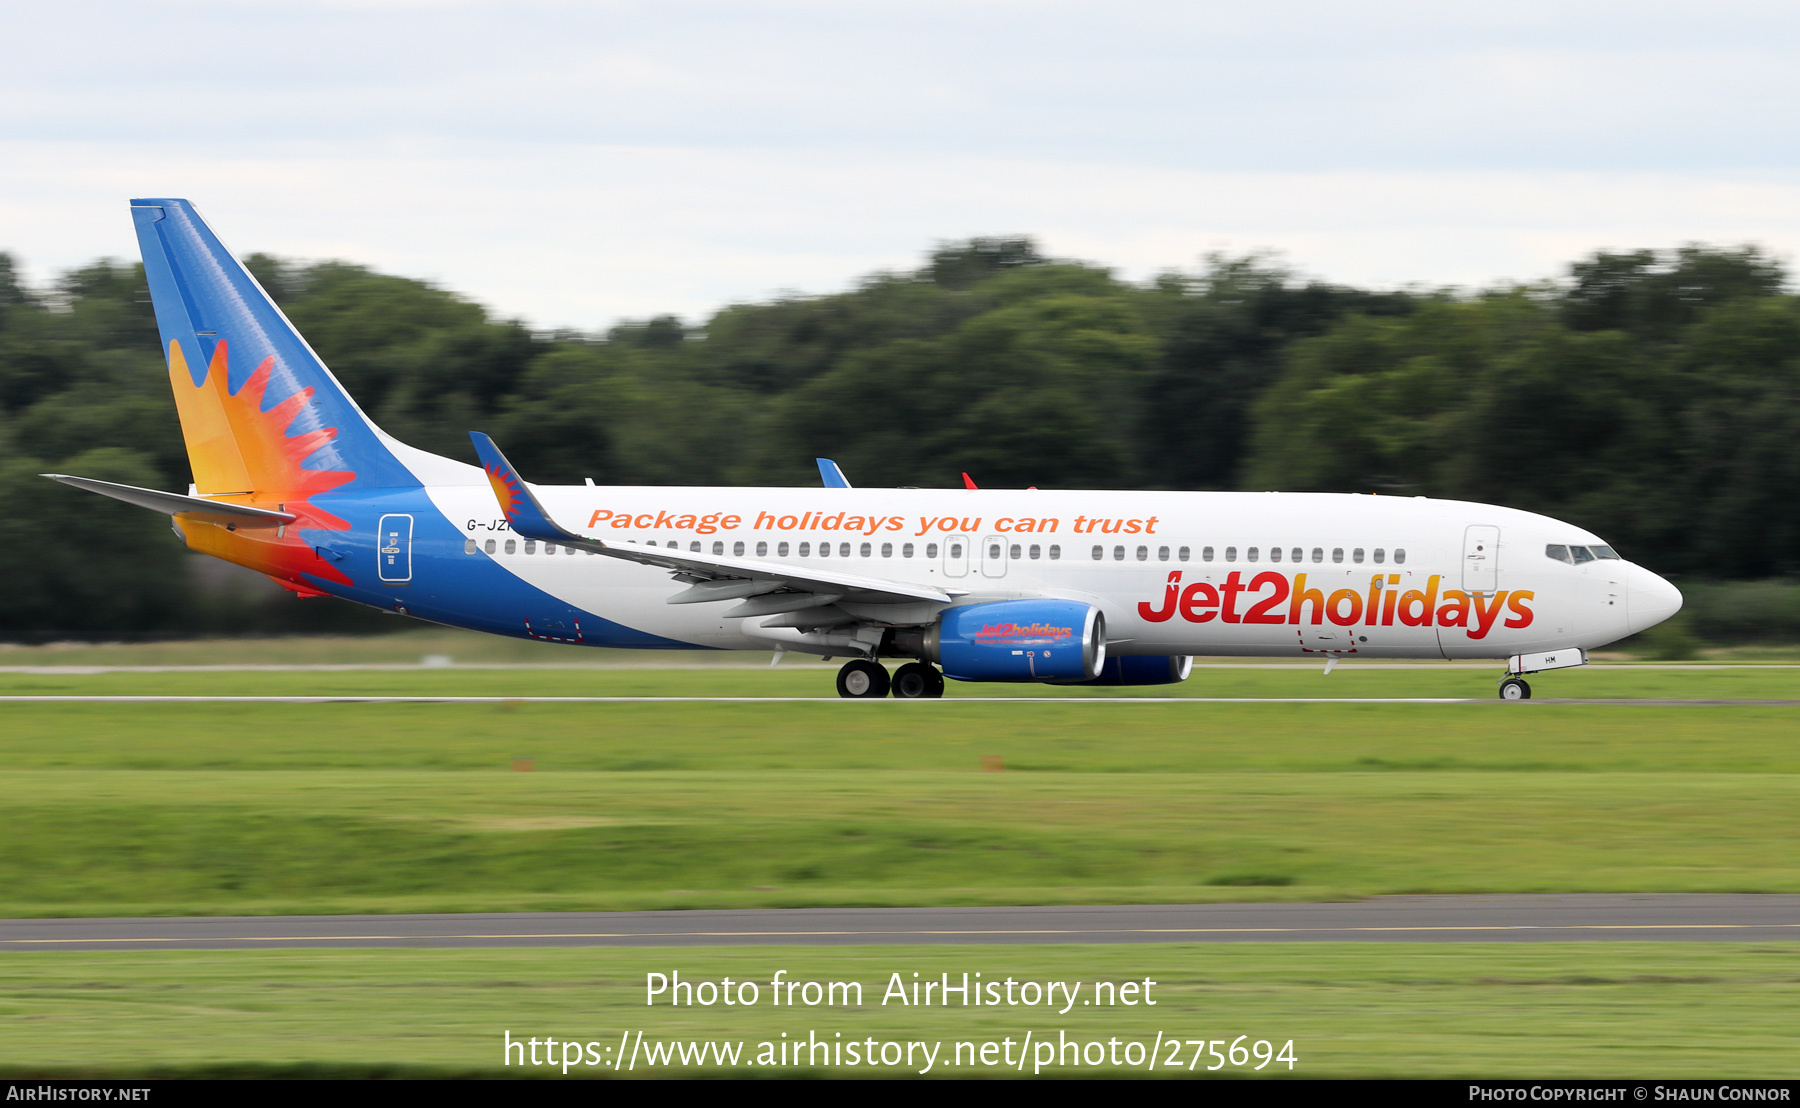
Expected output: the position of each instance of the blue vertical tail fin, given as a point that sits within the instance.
(260, 412)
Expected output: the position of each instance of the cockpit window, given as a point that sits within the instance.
(1558, 553)
(1604, 552)
(1582, 554)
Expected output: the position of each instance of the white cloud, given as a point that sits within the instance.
(575, 162)
(585, 235)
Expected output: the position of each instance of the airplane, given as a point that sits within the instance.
(1058, 587)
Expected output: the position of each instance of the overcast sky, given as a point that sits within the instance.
(575, 163)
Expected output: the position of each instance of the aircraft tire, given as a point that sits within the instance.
(918, 681)
(1515, 688)
(860, 680)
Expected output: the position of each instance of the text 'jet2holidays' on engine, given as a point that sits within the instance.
(1065, 587)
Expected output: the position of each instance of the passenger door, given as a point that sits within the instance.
(1481, 559)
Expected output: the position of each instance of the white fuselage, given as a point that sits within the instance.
(1205, 573)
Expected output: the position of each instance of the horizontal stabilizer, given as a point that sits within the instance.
(175, 504)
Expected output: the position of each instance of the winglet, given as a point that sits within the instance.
(830, 473)
(521, 508)
(968, 482)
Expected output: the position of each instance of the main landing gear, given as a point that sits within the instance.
(1514, 688)
(864, 680)
(918, 681)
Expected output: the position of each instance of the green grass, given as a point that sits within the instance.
(814, 680)
(1678, 1010)
(124, 809)
(228, 808)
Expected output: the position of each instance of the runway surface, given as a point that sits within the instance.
(1538, 918)
(1648, 702)
(409, 667)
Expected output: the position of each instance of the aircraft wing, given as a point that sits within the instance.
(765, 587)
(832, 476)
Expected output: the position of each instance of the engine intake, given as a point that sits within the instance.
(1019, 640)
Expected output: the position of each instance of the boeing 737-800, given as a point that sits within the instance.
(291, 479)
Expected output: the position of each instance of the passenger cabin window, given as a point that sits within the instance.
(737, 550)
(1182, 554)
(762, 550)
(843, 550)
(1582, 554)
(1055, 553)
(1015, 552)
(1399, 556)
(781, 551)
(1380, 555)
(1118, 553)
(1230, 554)
(468, 546)
(549, 548)
(931, 550)
(1296, 554)
(887, 550)
(694, 546)
(1318, 554)
(488, 546)
(805, 549)
(866, 550)
(906, 551)
(1274, 554)
(1337, 554)
(1143, 554)
(511, 546)
(1206, 553)
(1099, 553)
(956, 549)
(1036, 551)
(1162, 553)
(531, 546)
(1356, 555)
(1250, 555)
(993, 552)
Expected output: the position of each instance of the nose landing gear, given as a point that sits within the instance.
(1515, 688)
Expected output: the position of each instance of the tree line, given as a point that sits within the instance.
(1648, 396)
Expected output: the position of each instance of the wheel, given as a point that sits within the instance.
(1515, 688)
(860, 680)
(918, 681)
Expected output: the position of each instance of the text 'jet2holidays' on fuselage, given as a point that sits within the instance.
(1066, 587)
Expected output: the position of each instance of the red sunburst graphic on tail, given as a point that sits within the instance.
(243, 454)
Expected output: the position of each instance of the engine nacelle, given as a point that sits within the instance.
(1019, 640)
(1141, 669)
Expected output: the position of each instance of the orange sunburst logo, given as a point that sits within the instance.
(507, 490)
(243, 454)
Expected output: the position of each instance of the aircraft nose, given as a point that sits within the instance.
(1648, 599)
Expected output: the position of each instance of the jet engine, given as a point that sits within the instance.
(1141, 669)
(1019, 640)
